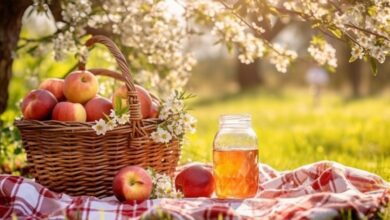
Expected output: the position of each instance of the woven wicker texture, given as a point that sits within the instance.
(69, 157)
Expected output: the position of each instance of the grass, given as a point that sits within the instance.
(292, 133)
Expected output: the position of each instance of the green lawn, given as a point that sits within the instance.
(291, 133)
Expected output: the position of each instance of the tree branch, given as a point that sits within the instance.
(368, 31)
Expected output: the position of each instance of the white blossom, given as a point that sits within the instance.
(63, 43)
(123, 119)
(176, 121)
(161, 136)
(323, 53)
(157, 36)
(100, 127)
(281, 58)
(164, 113)
(163, 186)
(189, 122)
(364, 24)
(112, 121)
(111, 124)
(113, 115)
(357, 52)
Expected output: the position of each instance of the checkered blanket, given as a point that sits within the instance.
(323, 190)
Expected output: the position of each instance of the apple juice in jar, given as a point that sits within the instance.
(235, 157)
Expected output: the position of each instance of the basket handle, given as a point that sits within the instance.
(134, 104)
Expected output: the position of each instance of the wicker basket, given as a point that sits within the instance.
(69, 157)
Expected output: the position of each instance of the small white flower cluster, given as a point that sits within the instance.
(235, 33)
(281, 57)
(64, 43)
(365, 25)
(175, 120)
(161, 136)
(156, 34)
(163, 186)
(232, 31)
(76, 12)
(357, 52)
(157, 38)
(323, 52)
(102, 126)
(75, 15)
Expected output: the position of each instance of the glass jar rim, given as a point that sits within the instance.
(244, 116)
(235, 120)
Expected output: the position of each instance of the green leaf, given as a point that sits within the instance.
(372, 11)
(336, 32)
(317, 40)
(32, 49)
(17, 151)
(229, 47)
(374, 66)
(331, 69)
(353, 58)
(316, 24)
(124, 110)
(274, 11)
(118, 104)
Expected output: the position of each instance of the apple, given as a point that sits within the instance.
(97, 108)
(195, 181)
(154, 110)
(68, 111)
(80, 86)
(132, 183)
(38, 104)
(121, 93)
(55, 86)
(143, 97)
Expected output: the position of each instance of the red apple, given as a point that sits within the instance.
(55, 86)
(132, 183)
(155, 108)
(68, 111)
(38, 104)
(80, 86)
(143, 97)
(195, 181)
(97, 108)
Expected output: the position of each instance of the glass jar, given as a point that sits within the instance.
(235, 157)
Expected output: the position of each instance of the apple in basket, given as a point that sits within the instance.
(55, 86)
(155, 108)
(68, 111)
(80, 86)
(132, 184)
(195, 180)
(38, 104)
(143, 96)
(97, 108)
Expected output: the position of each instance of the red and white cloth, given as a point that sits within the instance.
(322, 190)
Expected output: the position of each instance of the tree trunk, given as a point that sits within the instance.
(249, 75)
(355, 75)
(10, 25)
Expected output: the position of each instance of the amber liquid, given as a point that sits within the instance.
(236, 173)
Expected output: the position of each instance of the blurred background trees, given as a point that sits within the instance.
(68, 22)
